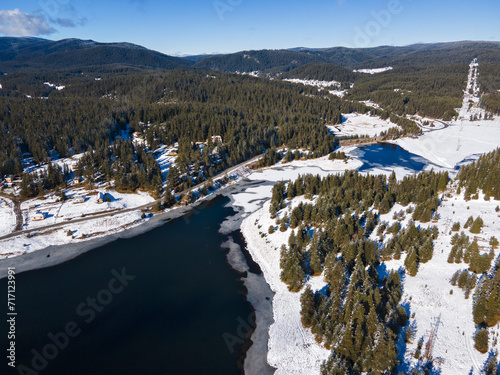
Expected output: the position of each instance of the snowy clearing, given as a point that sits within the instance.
(360, 124)
(57, 87)
(339, 93)
(59, 212)
(79, 232)
(461, 140)
(313, 82)
(373, 71)
(7, 216)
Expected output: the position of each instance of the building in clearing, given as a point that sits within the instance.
(39, 216)
(216, 139)
(79, 199)
(101, 197)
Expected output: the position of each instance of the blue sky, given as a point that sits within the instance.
(207, 26)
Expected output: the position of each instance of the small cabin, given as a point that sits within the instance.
(9, 179)
(79, 199)
(39, 216)
(101, 197)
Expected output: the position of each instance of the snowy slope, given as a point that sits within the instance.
(428, 293)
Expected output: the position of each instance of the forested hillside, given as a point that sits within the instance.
(483, 174)
(428, 91)
(249, 114)
(359, 316)
(275, 61)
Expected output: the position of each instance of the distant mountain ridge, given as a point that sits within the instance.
(42, 54)
(21, 54)
(376, 57)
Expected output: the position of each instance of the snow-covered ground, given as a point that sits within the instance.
(361, 124)
(57, 87)
(313, 82)
(290, 171)
(165, 156)
(7, 216)
(291, 348)
(428, 293)
(322, 85)
(370, 103)
(80, 232)
(373, 71)
(339, 93)
(29, 166)
(59, 212)
(463, 139)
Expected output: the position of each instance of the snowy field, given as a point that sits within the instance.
(70, 233)
(7, 216)
(360, 124)
(59, 212)
(462, 140)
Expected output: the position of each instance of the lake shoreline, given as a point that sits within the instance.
(57, 254)
(253, 284)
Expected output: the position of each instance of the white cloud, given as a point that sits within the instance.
(15, 22)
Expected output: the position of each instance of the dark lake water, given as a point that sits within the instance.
(171, 318)
(388, 156)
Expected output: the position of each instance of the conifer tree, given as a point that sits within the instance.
(477, 225)
(411, 262)
(481, 340)
(307, 302)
